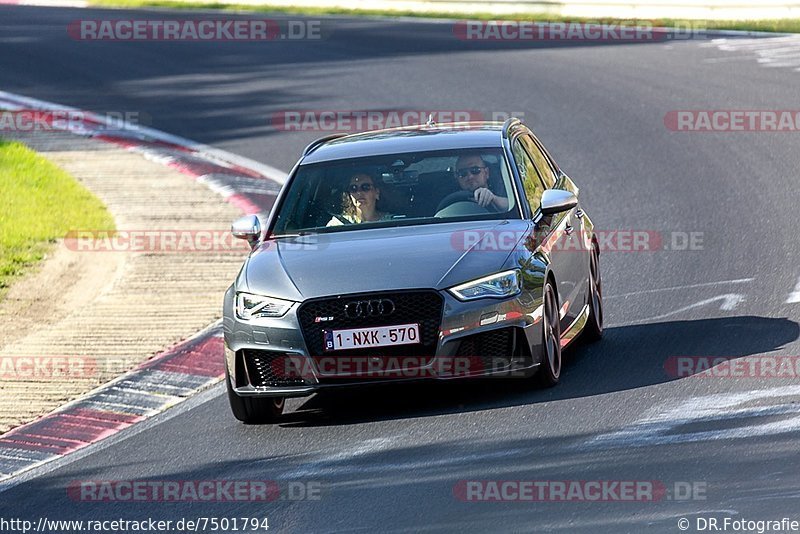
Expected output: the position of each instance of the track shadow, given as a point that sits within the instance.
(421, 487)
(628, 357)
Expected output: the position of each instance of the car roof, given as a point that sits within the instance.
(449, 136)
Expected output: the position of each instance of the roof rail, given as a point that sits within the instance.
(321, 141)
(512, 121)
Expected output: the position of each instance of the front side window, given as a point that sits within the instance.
(396, 190)
(531, 182)
(540, 160)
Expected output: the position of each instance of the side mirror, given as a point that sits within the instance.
(247, 227)
(557, 200)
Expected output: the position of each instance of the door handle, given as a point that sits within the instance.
(568, 229)
(579, 214)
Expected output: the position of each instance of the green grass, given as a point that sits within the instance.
(40, 203)
(777, 25)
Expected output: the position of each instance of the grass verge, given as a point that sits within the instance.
(41, 203)
(776, 25)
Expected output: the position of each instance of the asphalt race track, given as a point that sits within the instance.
(398, 458)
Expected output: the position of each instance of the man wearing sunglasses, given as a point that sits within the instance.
(472, 175)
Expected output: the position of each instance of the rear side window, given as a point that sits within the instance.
(541, 161)
(531, 182)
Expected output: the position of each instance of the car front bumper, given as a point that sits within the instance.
(279, 357)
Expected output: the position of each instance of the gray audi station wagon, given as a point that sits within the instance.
(435, 252)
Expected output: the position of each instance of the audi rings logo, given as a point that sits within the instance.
(368, 308)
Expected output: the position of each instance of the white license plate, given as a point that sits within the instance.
(379, 336)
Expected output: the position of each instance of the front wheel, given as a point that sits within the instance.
(550, 368)
(251, 410)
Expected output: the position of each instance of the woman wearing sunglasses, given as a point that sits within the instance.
(359, 202)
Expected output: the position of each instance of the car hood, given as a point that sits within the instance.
(426, 256)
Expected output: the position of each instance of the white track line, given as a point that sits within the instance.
(794, 297)
(189, 404)
(693, 419)
(729, 303)
(770, 52)
(14, 102)
(676, 288)
(267, 170)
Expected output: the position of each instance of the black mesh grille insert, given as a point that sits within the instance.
(488, 351)
(423, 307)
(274, 369)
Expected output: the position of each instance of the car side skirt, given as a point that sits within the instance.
(572, 331)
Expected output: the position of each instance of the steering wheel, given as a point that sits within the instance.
(452, 198)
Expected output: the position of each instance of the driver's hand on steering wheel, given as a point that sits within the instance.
(484, 197)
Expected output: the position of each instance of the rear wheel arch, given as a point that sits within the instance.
(551, 277)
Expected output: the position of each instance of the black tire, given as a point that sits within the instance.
(550, 369)
(594, 326)
(253, 410)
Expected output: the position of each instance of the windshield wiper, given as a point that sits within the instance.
(278, 236)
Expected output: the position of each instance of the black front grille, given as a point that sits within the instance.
(275, 369)
(422, 307)
(488, 351)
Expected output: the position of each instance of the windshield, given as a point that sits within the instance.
(398, 189)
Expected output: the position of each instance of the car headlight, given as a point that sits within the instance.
(500, 285)
(250, 306)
